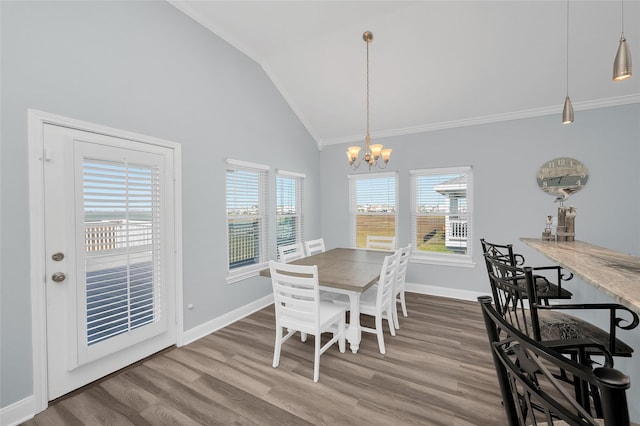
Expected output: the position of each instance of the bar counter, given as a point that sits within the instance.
(617, 274)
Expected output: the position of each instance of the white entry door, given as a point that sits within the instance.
(109, 242)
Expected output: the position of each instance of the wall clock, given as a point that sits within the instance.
(562, 177)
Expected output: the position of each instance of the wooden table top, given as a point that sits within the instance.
(345, 268)
(616, 273)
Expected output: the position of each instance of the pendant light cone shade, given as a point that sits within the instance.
(622, 63)
(567, 111)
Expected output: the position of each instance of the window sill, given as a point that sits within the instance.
(244, 273)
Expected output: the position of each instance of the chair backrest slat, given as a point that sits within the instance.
(314, 246)
(378, 242)
(291, 252)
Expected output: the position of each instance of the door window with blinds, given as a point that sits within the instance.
(121, 289)
(247, 218)
(441, 214)
(289, 218)
(122, 247)
(373, 200)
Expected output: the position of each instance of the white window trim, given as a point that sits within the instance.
(442, 259)
(292, 174)
(245, 272)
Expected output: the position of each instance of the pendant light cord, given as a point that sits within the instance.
(567, 47)
(622, 17)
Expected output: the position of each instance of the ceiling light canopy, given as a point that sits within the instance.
(375, 152)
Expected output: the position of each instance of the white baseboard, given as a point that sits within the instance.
(226, 319)
(18, 412)
(453, 293)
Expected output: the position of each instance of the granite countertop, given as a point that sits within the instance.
(616, 273)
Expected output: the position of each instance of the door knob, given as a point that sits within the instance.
(57, 256)
(58, 277)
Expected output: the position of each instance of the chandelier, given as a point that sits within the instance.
(372, 153)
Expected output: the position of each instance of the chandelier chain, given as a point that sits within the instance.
(367, 89)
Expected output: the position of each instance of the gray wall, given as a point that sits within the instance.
(144, 67)
(508, 203)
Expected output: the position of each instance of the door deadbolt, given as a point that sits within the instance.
(58, 277)
(57, 256)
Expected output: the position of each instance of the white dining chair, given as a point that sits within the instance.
(291, 252)
(298, 307)
(379, 242)
(401, 275)
(314, 246)
(378, 301)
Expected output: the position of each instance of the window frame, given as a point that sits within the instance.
(445, 259)
(353, 214)
(264, 218)
(299, 215)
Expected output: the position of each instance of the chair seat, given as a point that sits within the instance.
(546, 289)
(328, 314)
(555, 325)
(367, 301)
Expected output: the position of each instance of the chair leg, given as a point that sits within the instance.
(316, 358)
(303, 337)
(404, 304)
(391, 318)
(342, 333)
(379, 334)
(277, 347)
(394, 310)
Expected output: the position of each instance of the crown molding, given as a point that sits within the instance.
(518, 115)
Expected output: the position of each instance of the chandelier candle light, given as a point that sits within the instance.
(371, 152)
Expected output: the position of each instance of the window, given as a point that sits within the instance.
(372, 204)
(289, 218)
(442, 211)
(247, 218)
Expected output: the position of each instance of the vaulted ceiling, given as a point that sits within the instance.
(433, 64)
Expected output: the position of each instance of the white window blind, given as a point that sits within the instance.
(122, 247)
(442, 212)
(373, 200)
(289, 215)
(247, 218)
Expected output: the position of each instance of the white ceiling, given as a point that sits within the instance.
(433, 64)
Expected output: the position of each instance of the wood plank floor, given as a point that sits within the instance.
(437, 371)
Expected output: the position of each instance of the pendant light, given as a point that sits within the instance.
(567, 111)
(622, 63)
(372, 153)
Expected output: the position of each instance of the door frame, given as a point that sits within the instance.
(37, 155)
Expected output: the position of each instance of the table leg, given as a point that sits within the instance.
(354, 333)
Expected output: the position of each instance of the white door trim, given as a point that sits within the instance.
(36, 121)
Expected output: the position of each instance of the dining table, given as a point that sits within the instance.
(348, 271)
